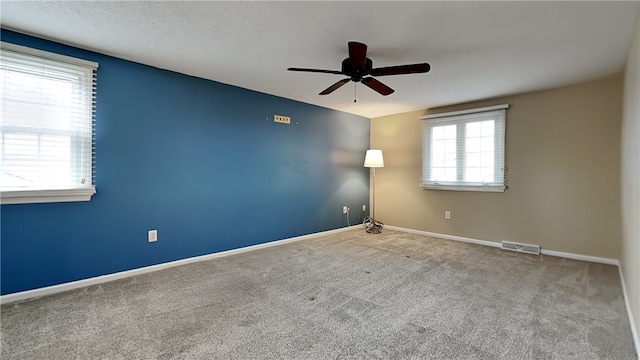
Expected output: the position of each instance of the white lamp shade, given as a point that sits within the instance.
(373, 159)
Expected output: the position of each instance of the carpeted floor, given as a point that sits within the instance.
(346, 296)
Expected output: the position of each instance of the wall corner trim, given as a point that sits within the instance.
(54, 289)
(634, 330)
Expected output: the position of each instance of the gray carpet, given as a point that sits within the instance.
(347, 296)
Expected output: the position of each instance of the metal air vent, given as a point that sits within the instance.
(525, 248)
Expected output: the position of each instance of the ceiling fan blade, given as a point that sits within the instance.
(377, 86)
(401, 69)
(316, 70)
(335, 86)
(357, 54)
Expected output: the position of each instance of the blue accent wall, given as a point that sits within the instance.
(200, 161)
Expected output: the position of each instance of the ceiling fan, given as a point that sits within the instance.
(359, 68)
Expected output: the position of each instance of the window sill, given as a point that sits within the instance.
(480, 188)
(46, 196)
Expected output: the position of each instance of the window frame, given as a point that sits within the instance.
(65, 194)
(496, 113)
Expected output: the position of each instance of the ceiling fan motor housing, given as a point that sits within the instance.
(355, 72)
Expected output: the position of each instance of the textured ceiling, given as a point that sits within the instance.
(477, 50)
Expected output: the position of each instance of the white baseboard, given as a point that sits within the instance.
(444, 236)
(54, 289)
(634, 330)
(589, 258)
(567, 255)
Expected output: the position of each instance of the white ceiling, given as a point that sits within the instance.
(477, 50)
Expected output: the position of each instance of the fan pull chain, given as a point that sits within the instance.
(355, 85)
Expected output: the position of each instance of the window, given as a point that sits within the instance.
(464, 150)
(47, 126)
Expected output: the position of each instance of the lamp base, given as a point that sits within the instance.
(374, 231)
(372, 226)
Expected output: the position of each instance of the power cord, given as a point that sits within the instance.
(372, 226)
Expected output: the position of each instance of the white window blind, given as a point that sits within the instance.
(47, 130)
(464, 150)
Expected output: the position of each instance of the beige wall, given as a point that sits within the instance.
(631, 178)
(563, 150)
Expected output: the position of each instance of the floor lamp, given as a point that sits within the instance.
(373, 159)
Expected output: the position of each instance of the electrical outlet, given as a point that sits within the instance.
(364, 208)
(447, 215)
(281, 119)
(152, 235)
(345, 209)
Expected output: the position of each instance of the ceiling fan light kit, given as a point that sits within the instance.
(359, 68)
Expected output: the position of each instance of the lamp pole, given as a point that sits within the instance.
(373, 200)
(373, 159)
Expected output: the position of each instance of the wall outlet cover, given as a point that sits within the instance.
(152, 235)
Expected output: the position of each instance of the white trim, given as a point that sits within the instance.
(47, 55)
(486, 188)
(46, 196)
(567, 255)
(54, 289)
(595, 259)
(634, 330)
(444, 236)
(462, 112)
